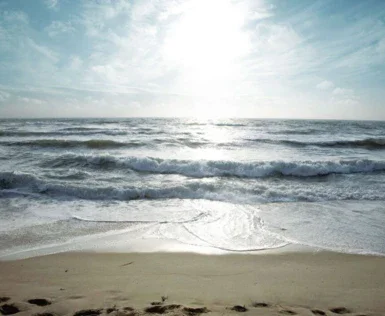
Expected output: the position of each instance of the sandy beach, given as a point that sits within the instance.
(312, 283)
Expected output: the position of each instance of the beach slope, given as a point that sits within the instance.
(320, 283)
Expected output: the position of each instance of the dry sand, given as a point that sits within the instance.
(289, 283)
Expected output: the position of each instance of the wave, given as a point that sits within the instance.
(215, 124)
(215, 168)
(368, 143)
(104, 143)
(62, 143)
(12, 183)
(27, 133)
(230, 124)
(81, 129)
(84, 131)
(23, 184)
(296, 132)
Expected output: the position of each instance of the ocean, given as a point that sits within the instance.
(232, 185)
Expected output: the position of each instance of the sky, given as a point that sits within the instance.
(202, 58)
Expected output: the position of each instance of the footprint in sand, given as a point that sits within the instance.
(4, 299)
(340, 310)
(76, 297)
(239, 308)
(88, 312)
(39, 301)
(318, 312)
(191, 311)
(287, 312)
(111, 309)
(161, 309)
(260, 304)
(8, 309)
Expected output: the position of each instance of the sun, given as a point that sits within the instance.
(205, 45)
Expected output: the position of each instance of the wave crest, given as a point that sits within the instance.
(215, 168)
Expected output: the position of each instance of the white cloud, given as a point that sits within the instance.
(75, 63)
(325, 85)
(43, 50)
(259, 15)
(4, 96)
(343, 96)
(96, 16)
(31, 100)
(342, 91)
(15, 16)
(52, 4)
(59, 27)
(381, 46)
(275, 37)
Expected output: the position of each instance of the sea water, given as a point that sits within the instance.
(232, 184)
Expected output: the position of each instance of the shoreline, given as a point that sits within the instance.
(298, 281)
(124, 242)
(156, 246)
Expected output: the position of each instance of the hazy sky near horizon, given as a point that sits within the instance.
(245, 58)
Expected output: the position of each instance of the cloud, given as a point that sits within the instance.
(252, 56)
(98, 16)
(341, 91)
(31, 100)
(43, 50)
(344, 96)
(380, 47)
(59, 27)
(52, 4)
(325, 85)
(4, 96)
(75, 63)
(15, 16)
(259, 15)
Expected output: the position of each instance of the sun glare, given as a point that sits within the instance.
(205, 44)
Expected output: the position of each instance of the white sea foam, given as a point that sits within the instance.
(212, 168)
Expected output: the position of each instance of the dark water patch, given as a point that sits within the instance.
(62, 143)
(28, 133)
(296, 132)
(367, 143)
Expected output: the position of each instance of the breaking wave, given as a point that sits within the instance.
(215, 168)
